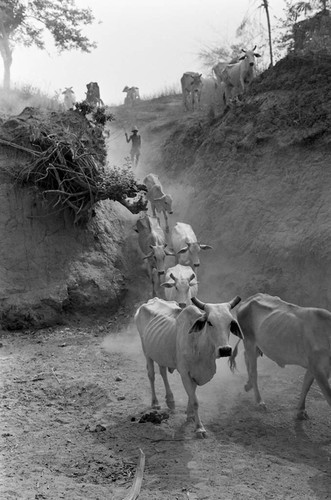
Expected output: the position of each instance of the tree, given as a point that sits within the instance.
(25, 23)
(295, 12)
(265, 4)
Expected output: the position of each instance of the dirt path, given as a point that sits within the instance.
(71, 402)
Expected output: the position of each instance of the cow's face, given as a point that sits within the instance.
(197, 82)
(218, 323)
(158, 255)
(249, 57)
(168, 203)
(182, 288)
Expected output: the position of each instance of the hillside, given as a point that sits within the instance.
(253, 182)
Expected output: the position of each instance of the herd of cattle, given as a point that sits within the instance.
(180, 332)
(92, 96)
(231, 80)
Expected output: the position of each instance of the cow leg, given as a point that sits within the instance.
(321, 370)
(227, 95)
(194, 100)
(166, 221)
(151, 376)
(153, 209)
(169, 395)
(155, 282)
(193, 405)
(199, 98)
(301, 408)
(251, 365)
(185, 96)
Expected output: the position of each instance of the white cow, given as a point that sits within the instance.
(191, 84)
(189, 340)
(160, 202)
(289, 335)
(69, 98)
(237, 77)
(186, 246)
(132, 95)
(152, 243)
(180, 284)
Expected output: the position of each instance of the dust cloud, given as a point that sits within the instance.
(126, 341)
(225, 384)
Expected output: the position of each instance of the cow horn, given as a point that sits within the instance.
(243, 50)
(172, 277)
(234, 302)
(254, 48)
(198, 303)
(192, 277)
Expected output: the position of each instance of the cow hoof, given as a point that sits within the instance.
(302, 415)
(201, 433)
(171, 405)
(262, 406)
(248, 386)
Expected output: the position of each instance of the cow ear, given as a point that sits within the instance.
(168, 252)
(206, 247)
(236, 330)
(183, 250)
(257, 55)
(241, 58)
(198, 325)
(168, 284)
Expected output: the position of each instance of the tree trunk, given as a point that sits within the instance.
(6, 76)
(266, 6)
(7, 57)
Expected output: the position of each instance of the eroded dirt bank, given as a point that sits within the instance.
(50, 264)
(255, 184)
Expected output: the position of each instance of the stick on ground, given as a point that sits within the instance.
(136, 485)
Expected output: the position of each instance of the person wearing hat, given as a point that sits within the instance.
(136, 145)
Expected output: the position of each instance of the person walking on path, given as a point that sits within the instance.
(136, 145)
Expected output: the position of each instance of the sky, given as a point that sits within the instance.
(144, 43)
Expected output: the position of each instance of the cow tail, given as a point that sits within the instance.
(232, 360)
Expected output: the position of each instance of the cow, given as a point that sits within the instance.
(180, 284)
(189, 340)
(219, 67)
(289, 335)
(69, 98)
(152, 243)
(237, 77)
(93, 94)
(132, 95)
(186, 246)
(191, 84)
(159, 201)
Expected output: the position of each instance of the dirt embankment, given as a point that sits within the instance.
(255, 183)
(49, 264)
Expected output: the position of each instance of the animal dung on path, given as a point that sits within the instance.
(155, 417)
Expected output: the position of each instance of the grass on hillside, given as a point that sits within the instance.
(13, 101)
